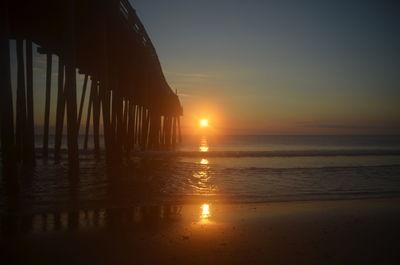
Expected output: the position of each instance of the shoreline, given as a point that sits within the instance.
(190, 200)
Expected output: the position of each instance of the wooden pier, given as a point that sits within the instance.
(127, 98)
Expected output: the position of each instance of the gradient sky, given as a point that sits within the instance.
(270, 67)
(281, 67)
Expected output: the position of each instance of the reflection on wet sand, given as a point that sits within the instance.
(205, 211)
(13, 224)
(103, 218)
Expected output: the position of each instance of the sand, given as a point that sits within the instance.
(317, 232)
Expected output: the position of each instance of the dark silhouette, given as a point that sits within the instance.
(104, 40)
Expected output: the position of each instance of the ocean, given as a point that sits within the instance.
(226, 169)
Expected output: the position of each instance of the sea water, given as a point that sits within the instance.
(242, 169)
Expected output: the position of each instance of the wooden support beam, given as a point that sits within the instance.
(113, 123)
(134, 131)
(89, 110)
(157, 131)
(140, 131)
(147, 127)
(150, 144)
(47, 106)
(120, 131)
(82, 102)
(136, 136)
(168, 133)
(179, 129)
(96, 118)
(105, 106)
(137, 126)
(60, 110)
(144, 132)
(117, 127)
(162, 132)
(29, 104)
(154, 132)
(20, 134)
(125, 140)
(70, 88)
(173, 132)
(105, 88)
(6, 108)
(130, 130)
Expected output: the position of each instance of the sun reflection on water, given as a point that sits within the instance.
(202, 180)
(203, 145)
(203, 148)
(204, 161)
(205, 211)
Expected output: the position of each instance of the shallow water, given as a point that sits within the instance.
(230, 169)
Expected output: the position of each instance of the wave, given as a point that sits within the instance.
(322, 168)
(272, 153)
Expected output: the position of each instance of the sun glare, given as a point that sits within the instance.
(203, 148)
(205, 211)
(204, 123)
(204, 161)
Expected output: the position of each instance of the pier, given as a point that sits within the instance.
(125, 97)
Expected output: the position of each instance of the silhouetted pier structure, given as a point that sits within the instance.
(128, 98)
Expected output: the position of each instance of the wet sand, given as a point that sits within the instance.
(318, 232)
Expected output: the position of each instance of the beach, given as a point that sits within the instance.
(303, 232)
(199, 132)
(242, 200)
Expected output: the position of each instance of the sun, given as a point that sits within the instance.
(204, 123)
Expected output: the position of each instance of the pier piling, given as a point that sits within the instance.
(130, 105)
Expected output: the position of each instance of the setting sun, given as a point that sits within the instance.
(204, 123)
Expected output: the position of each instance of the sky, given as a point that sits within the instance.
(280, 67)
(269, 67)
